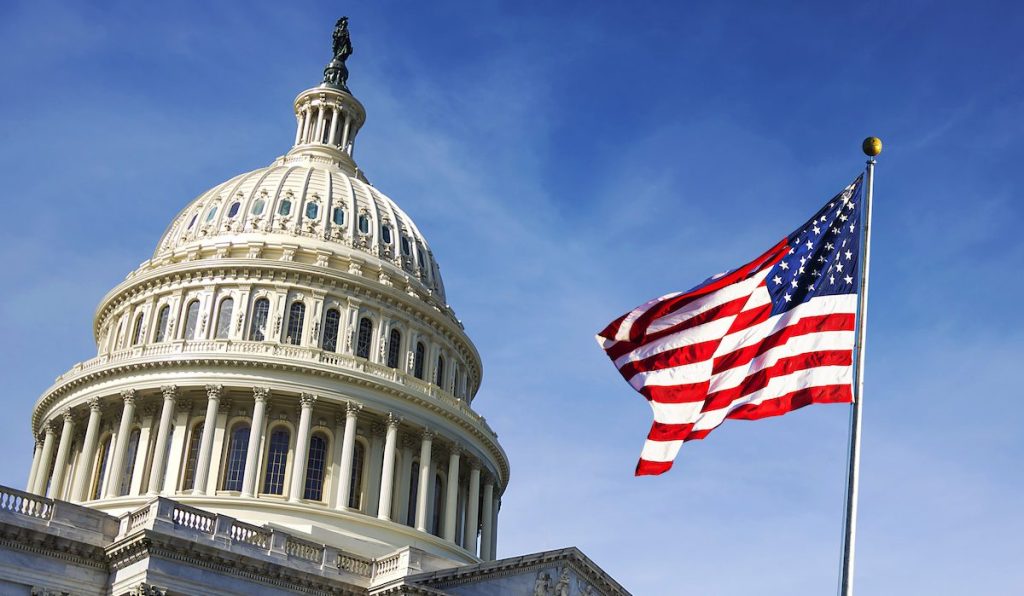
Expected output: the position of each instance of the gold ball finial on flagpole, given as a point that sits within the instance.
(872, 146)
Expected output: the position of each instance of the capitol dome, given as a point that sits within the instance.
(286, 358)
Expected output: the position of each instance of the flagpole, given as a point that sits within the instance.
(872, 146)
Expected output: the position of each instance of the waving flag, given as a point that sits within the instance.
(762, 340)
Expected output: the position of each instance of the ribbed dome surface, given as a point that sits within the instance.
(303, 200)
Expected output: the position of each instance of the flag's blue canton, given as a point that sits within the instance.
(823, 254)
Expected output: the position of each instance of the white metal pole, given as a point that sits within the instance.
(850, 534)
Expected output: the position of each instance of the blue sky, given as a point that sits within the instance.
(568, 161)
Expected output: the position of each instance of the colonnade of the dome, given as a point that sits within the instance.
(259, 443)
(329, 117)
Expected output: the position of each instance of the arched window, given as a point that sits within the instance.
(233, 209)
(238, 447)
(161, 323)
(277, 460)
(355, 490)
(285, 208)
(192, 221)
(338, 216)
(405, 246)
(438, 505)
(258, 206)
(296, 314)
(414, 491)
(102, 459)
(192, 320)
(332, 321)
(394, 345)
(129, 463)
(227, 307)
(258, 328)
(315, 465)
(195, 438)
(211, 214)
(120, 335)
(364, 223)
(137, 331)
(421, 354)
(385, 234)
(439, 372)
(364, 338)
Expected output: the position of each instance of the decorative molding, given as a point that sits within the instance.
(128, 395)
(213, 391)
(170, 392)
(261, 394)
(307, 400)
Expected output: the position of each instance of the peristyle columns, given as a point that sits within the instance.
(84, 469)
(348, 443)
(423, 490)
(472, 510)
(387, 475)
(301, 448)
(121, 446)
(486, 552)
(206, 444)
(59, 471)
(452, 496)
(43, 473)
(252, 457)
(163, 434)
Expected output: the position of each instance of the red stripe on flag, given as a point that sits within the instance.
(676, 394)
(669, 432)
(725, 309)
(827, 394)
(759, 380)
(652, 468)
(671, 358)
(806, 325)
(749, 318)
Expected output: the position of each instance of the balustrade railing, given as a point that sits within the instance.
(192, 518)
(315, 355)
(355, 564)
(27, 504)
(249, 534)
(301, 549)
(387, 565)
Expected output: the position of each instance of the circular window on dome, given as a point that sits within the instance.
(406, 249)
(385, 234)
(364, 224)
(233, 209)
(338, 217)
(258, 206)
(312, 210)
(285, 208)
(211, 214)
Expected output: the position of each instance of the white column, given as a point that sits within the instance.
(299, 121)
(138, 466)
(116, 465)
(334, 126)
(401, 509)
(452, 497)
(488, 514)
(37, 455)
(252, 456)
(319, 124)
(494, 527)
(422, 496)
(301, 448)
(305, 124)
(348, 444)
(59, 466)
(43, 473)
(472, 510)
(344, 131)
(375, 461)
(387, 474)
(163, 435)
(206, 444)
(179, 438)
(87, 458)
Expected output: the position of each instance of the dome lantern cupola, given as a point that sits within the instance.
(327, 116)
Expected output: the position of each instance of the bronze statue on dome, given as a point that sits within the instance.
(336, 73)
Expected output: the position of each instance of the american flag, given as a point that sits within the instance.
(761, 340)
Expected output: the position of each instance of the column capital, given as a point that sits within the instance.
(170, 392)
(307, 400)
(214, 391)
(67, 415)
(260, 394)
(393, 420)
(128, 395)
(94, 405)
(352, 409)
(49, 428)
(428, 435)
